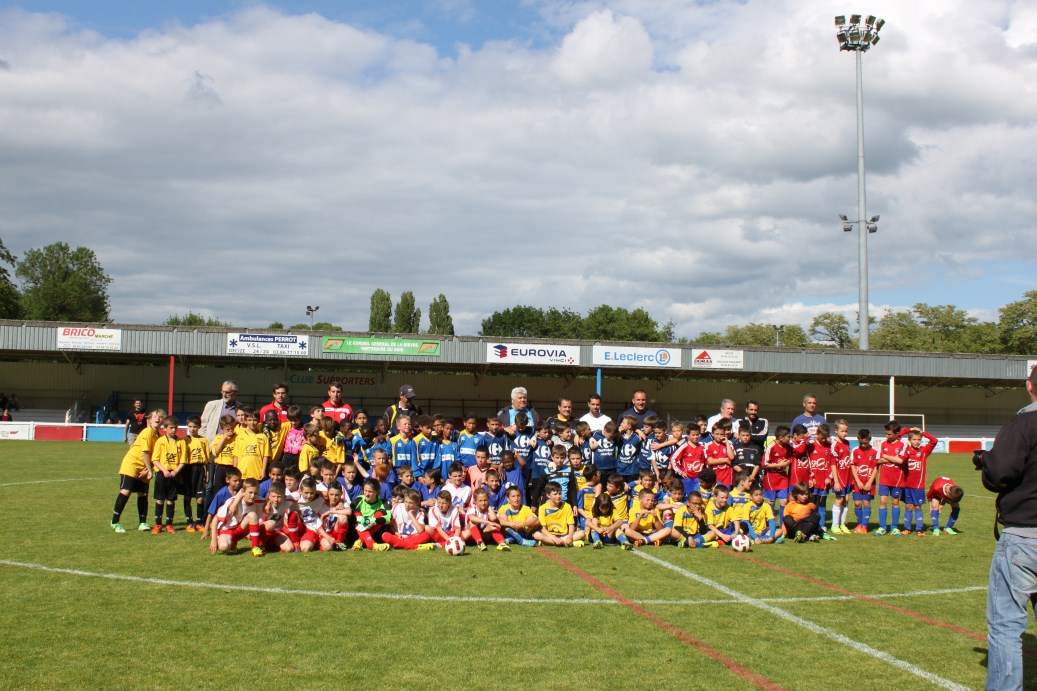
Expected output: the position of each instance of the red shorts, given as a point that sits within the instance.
(235, 534)
(310, 536)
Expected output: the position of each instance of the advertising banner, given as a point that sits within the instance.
(532, 354)
(630, 356)
(88, 338)
(268, 345)
(707, 358)
(375, 345)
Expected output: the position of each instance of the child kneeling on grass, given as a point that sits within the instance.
(482, 521)
(802, 522)
(605, 524)
(517, 520)
(944, 491)
(646, 524)
(558, 525)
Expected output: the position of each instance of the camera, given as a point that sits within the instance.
(977, 458)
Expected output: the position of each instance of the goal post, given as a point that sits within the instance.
(876, 420)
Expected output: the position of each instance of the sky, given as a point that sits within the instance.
(243, 160)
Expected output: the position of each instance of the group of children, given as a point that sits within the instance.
(299, 485)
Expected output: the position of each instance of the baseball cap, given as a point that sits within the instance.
(407, 390)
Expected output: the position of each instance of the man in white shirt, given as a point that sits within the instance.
(594, 417)
(727, 410)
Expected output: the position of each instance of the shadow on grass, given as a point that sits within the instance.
(1029, 660)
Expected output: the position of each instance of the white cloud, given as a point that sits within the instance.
(685, 158)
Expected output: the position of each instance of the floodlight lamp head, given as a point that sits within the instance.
(874, 219)
(840, 19)
(843, 217)
(879, 24)
(873, 228)
(875, 40)
(847, 228)
(870, 19)
(855, 19)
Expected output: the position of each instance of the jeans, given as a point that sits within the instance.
(1013, 585)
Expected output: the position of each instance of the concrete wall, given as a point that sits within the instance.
(58, 384)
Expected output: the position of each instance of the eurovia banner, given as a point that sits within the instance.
(373, 345)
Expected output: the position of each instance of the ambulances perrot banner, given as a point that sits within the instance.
(268, 345)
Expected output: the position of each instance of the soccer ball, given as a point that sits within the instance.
(551, 468)
(740, 543)
(454, 546)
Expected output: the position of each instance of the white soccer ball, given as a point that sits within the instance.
(741, 543)
(454, 546)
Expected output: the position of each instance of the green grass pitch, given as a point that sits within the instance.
(138, 610)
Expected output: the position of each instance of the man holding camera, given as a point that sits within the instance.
(1010, 470)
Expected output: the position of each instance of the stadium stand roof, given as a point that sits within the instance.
(146, 343)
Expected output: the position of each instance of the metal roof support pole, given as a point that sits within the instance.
(892, 397)
(597, 381)
(169, 394)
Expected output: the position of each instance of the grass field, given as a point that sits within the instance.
(88, 608)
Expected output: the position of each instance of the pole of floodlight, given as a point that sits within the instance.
(862, 213)
(857, 36)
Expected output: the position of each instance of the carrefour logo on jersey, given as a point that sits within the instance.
(631, 356)
(532, 354)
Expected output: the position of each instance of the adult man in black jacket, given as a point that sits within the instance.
(1010, 469)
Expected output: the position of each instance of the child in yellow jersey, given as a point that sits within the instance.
(517, 520)
(333, 443)
(251, 448)
(276, 432)
(310, 451)
(605, 523)
(167, 459)
(135, 473)
(739, 501)
(192, 477)
(222, 454)
(718, 515)
(575, 457)
(762, 525)
(557, 523)
(690, 526)
(646, 523)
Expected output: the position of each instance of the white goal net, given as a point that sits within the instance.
(875, 421)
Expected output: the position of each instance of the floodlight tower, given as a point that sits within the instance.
(858, 37)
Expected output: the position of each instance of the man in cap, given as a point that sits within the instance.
(404, 405)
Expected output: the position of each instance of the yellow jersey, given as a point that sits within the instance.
(251, 451)
(197, 450)
(621, 506)
(718, 518)
(581, 481)
(556, 519)
(133, 463)
(276, 438)
(169, 452)
(685, 521)
(644, 520)
(334, 452)
(739, 502)
(226, 456)
(307, 454)
(758, 516)
(519, 515)
(614, 517)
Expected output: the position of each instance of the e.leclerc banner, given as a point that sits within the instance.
(373, 345)
(635, 356)
(268, 345)
(532, 354)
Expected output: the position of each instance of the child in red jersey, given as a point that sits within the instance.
(334, 521)
(240, 516)
(917, 456)
(444, 520)
(409, 524)
(944, 491)
(281, 524)
(799, 469)
(776, 461)
(863, 469)
(843, 482)
(481, 520)
(822, 470)
(891, 477)
(311, 507)
(719, 454)
(688, 461)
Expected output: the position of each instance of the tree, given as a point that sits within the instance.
(832, 328)
(192, 319)
(299, 327)
(899, 331)
(619, 324)
(521, 321)
(759, 335)
(439, 319)
(407, 317)
(1018, 325)
(380, 320)
(64, 284)
(323, 326)
(276, 325)
(10, 300)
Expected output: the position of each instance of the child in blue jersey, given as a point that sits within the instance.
(380, 438)
(559, 472)
(447, 452)
(496, 440)
(660, 446)
(511, 474)
(404, 447)
(428, 445)
(468, 440)
(586, 495)
(539, 460)
(603, 447)
(429, 488)
(582, 435)
(575, 458)
(629, 450)
(495, 489)
(352, 483)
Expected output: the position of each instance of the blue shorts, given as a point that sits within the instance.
(691, 485)
(887, 491)
(845, 491)
(819, 493)
(862, 496)
(914, 496)
(772, 494)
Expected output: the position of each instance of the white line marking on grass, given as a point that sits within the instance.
(450, 598)
(47, 482)
(806, 624)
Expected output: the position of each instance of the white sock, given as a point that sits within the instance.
(845, 510)
(836, 513)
